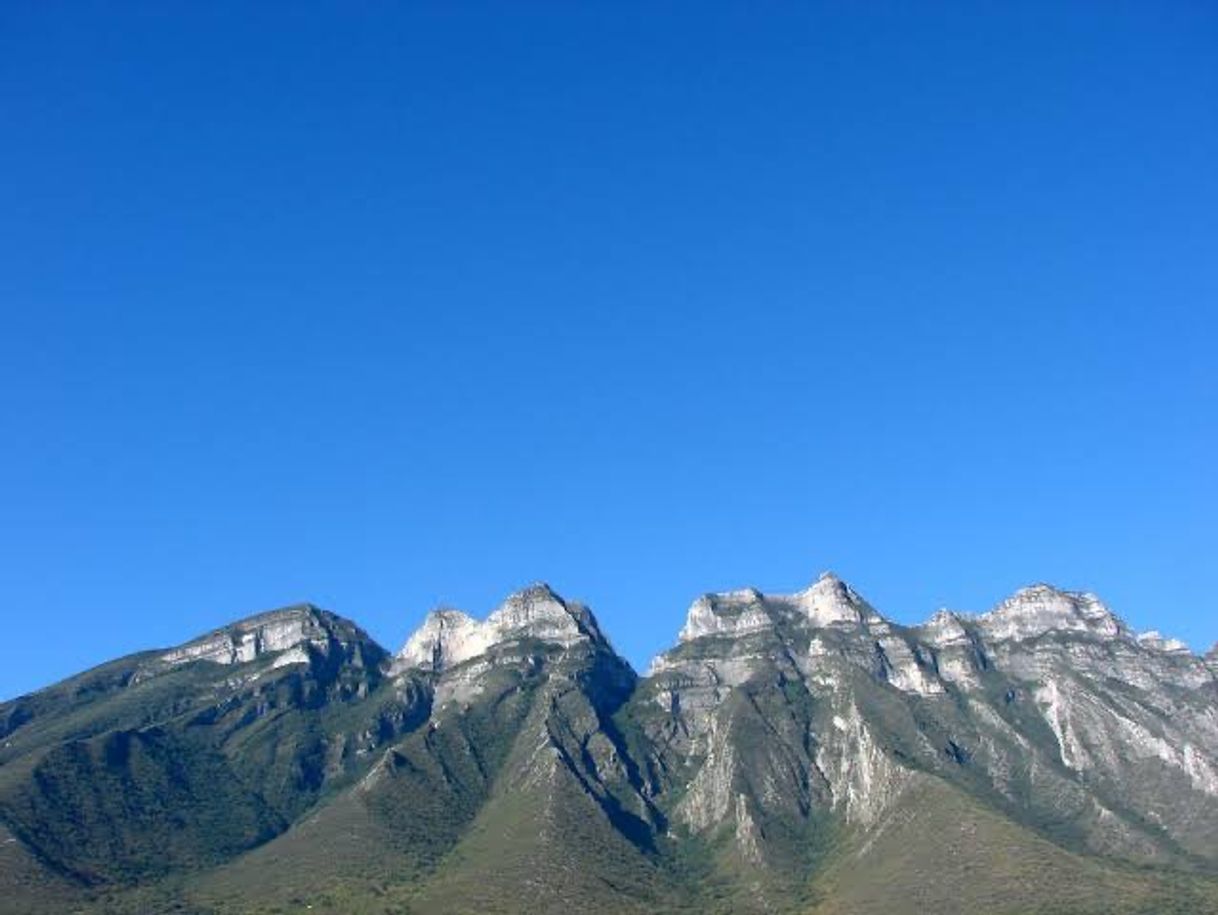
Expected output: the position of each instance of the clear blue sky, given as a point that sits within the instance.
(381, 305)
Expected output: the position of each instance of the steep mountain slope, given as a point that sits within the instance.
(518, 785)
(182, 759)
(776, 715)
(791, 753)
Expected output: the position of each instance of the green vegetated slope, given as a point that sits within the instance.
(938, 850)
(795, 754)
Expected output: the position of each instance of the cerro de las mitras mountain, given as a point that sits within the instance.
(790, 753)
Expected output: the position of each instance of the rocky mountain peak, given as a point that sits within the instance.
(778, 722)
(830, 600)
(1036, 610)
(288, 629)
(826, 602)
(944, 628)
(446, 637)
(449, 637)
(727, 612)
(538, 611)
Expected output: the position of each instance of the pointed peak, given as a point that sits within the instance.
(944, 628)
(540, 603)
(537, 597)
(828, 582)
(538, 590)
(537, 606)
(448, 637)
(830, 600)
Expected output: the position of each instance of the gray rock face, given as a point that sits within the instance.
(465, 655)
(1131, 716)
(288, 630)
(1042, 609)
(758, 708)
(449, 637)
(827, 602)
(1045, 694)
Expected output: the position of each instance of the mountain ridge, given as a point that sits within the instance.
(1151, 638)
(287, 755)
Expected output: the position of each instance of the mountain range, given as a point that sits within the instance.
(790, 753)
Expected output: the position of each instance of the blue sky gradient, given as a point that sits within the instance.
(384, 305)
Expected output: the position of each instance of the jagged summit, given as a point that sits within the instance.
(725, 613)
(449, 637)
(826, 602)
(1041, 608)
(950, 650)
(784, 733)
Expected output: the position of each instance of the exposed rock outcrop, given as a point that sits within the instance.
(449, 637)
(775, 723)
